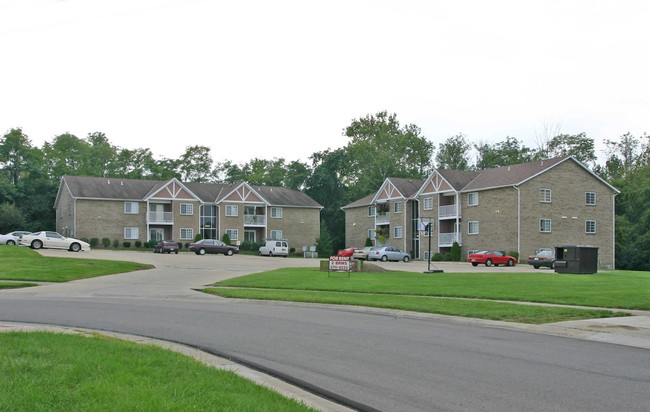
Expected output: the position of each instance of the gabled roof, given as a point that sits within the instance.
(511, 175)
(397, 187)
(141, 190)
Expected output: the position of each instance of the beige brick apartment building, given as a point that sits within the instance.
(520, 208)
(130, 210)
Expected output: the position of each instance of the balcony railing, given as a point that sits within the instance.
(447, 211)
(448, 239)
(254, 220)
(160, 217)
(382, 218)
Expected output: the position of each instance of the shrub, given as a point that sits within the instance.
(250, 246)
(84, 239)
(116, 243)
(106, 242)
(226, 239)
(198, 237)
(455, 252)
(292, 250)
(368, 242)
(187, 245)
(127, 244)
(514, 254)
(138, 244)
(94, 242)
(437, 257)
(447, 257)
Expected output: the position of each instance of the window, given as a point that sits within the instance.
(428, 203)
(276, 234)
(472, 199)
(371, 233)
(131, 233)
(187, 233)
(69, 208)
(590, 198)
(545, 195)
(397, 232)
(276, 212)
(472, 228)
(398, 207)
(131, 208)
(232, 210)
(371, 211)
(187, 209)
(545, 225)
(233, 234)
(590, 227)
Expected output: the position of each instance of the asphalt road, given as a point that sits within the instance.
(377, 361)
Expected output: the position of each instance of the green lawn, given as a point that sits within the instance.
(21, 263)
(15, 285)
(432, 292)
(57, 372)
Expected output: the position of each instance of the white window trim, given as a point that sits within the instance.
(132, 204)
(371, 233)
(398, 207)
(429, 201)
(233, 234)
(396, 230)
(189, 206)
(230, 209)
(131, 230)
(469, 227)
(277, 214)
(543, 199)
(587, 225)
(550, 226)
(186, 237)
(470, 196)
(372, 211)
(587, 198)
(277, 232)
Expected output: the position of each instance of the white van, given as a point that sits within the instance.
(275, 247)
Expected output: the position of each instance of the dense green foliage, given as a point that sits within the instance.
(378, 147)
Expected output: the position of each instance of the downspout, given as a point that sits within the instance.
(457, 225)
(518, 220)
(404, 231)
(146, 221)
(74, 217)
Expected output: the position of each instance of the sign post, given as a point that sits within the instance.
(339, 264)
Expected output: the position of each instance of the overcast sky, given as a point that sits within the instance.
(284, 78)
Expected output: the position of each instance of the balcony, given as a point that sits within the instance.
(254, 220)
(160, 217)
(448, 239)
(382, 218)
(446, 212)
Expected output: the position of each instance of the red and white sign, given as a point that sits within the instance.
(340, 263)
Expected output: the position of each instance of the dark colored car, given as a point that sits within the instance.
(545, 257)
(213, 246)
(166, 246)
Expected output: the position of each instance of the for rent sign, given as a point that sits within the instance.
(340, 263)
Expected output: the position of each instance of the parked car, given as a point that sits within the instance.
(362, 254)
(213, 246)
(347, 252)
(491, 257)
(388, 253)
(274, 247)
(12, 238)
(166, 246)
(544, 257)
(53, 240)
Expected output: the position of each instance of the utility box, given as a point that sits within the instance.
(576, 259)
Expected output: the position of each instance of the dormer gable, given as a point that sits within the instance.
(387, 191)
(172, 190)
(243, 194)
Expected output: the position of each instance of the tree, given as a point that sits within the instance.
(101, 156)
(66, 155)
(509, 152)
(324, 245)
(195, 165)
(453, 154)
(579, 146)
(11, 218)
(379, 148)
(16, 153)
(134, 164)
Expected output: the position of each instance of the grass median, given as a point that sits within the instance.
(58, 372)
(433, 293)
(22, 263)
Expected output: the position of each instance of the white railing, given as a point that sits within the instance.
(449, 239)
(447, 211)
(254, 220)
(160, 217)
(382, 218)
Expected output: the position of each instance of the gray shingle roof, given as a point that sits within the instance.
(407, 187)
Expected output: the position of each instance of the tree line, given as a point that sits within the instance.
(378, 147)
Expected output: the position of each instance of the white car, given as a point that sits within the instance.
(53, 240)
(275, 248)
(12, 238)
